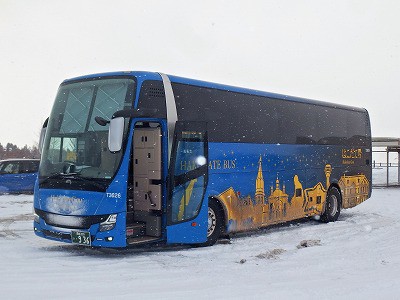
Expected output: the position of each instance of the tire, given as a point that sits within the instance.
(215, 223)
(332, 206)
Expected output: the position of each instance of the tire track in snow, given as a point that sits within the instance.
(5, 224)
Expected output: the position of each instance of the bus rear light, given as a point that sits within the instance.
(194, 224)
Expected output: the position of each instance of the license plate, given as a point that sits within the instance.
(81, 237)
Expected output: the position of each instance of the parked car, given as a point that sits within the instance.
(18, 176)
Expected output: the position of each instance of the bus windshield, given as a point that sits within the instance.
(75, 145)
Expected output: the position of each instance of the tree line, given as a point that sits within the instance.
(13, 151)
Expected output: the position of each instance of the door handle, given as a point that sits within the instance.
(150, 199)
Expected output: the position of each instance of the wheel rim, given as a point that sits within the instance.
(212, 221)
(333, 205)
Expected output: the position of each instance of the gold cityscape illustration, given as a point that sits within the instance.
(244, 213)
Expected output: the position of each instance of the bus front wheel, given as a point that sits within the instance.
(332, 206)
(215, 223)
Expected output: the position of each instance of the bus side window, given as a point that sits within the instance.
(11, 168)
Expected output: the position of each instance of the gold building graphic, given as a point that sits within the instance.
(243, 213)
(354, 190)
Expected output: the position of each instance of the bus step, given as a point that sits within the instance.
(136, 230)
(141, 240)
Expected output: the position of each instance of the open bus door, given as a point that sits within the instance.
(188, 174)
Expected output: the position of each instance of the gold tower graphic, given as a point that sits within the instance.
(260, 193)
(278, 203)
(328, 172)
(243, 213)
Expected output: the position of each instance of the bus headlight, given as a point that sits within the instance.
(109, 224)
(36, 218)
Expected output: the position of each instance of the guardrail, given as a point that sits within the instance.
(384, 165)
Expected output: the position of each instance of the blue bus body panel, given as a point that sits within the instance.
(237, 165)
(192, 232)
(17, 183)
(75, 203)
(249, 177)
(235, 168)
(72, 203)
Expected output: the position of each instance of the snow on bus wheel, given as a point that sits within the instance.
(332, 206)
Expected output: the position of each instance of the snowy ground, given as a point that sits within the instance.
(357, 257)
(379, 176)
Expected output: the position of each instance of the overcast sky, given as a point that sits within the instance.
(338, 51)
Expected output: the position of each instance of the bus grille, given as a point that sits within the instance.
(156, 92)
(70, 222)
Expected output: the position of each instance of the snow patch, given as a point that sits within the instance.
(272, 254)
(308, 243)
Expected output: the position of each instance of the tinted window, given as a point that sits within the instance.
(152, 96)
(235, 117)
(30, 166)
(11, 167)
(17, 167)
(231, 117)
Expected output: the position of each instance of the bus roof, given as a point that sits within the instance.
(176, 79)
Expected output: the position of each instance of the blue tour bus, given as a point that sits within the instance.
(137, 157)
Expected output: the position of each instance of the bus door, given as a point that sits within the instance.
(144, 207)
(188, 170)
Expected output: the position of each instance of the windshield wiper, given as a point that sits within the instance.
(53, 176)
(83, 179)
(70, 176)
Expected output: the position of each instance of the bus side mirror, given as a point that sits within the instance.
(115, 134)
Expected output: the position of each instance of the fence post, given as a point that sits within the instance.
(398, 167)
(387, 168)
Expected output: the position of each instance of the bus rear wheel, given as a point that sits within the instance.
(332, 206)
(215, 223)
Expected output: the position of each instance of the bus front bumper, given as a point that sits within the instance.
(103, 234)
